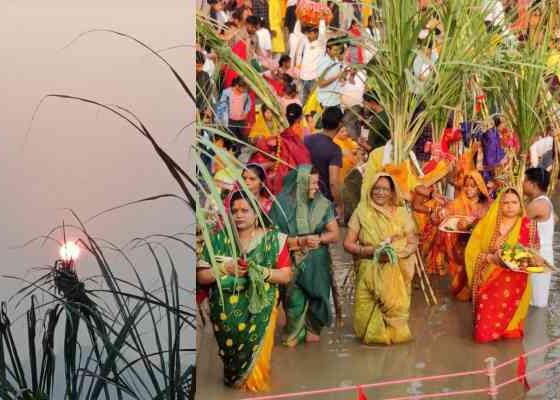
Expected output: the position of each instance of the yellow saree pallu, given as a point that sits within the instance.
(500, 296)
(312, 104)
(260, 129)
(349, 159)
(383, 291)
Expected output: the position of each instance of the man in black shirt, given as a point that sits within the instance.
(326, 156)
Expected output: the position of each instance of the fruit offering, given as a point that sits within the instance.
(452, 224)
(518, 258)
(310, 12)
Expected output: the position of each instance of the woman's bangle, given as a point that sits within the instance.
(223, 269)
(268, 274)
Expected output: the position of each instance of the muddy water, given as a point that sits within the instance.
(442, 344)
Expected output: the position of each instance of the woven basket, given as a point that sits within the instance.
(311, 12)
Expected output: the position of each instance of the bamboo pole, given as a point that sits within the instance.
(419, 273)
(426, 277)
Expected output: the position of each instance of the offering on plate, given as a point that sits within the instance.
(452, 224)
(310, 12)
(519, 258)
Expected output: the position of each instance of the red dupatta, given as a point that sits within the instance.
(290, 149)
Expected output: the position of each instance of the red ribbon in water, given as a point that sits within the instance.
(361, 394)
(521, 370)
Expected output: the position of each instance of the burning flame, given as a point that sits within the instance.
(69, 251)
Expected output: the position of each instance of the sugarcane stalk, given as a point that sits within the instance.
(422, 286)
(425, 274)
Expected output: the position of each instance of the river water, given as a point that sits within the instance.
(442, 344)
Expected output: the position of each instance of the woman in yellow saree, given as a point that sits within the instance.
(500, 296)
(383, 286)
(265, 126)
(448, 249)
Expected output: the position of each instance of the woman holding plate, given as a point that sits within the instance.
(464, 212)
(501, 296)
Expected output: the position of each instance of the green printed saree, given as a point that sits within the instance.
(307, 298)
(244, 315)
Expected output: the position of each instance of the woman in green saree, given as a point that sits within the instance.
(304, 214)
(244, 313)
(382, 236)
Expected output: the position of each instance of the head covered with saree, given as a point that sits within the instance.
(396, 192)
(301, 209)
(381, 310)
(478, 181)
(378, 222)
(500, 296)
(298, 213)
(484, 237)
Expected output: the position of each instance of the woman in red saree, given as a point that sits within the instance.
(287, 147)
(500, 296)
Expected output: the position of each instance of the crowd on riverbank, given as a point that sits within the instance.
(288, 179)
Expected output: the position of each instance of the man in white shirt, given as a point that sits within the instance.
(542, 154)
(352, 90)
(264, 42)
(331, 75)
(264, 38)
(307, 52)
(351, 99)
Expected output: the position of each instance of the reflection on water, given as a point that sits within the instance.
(442, 344)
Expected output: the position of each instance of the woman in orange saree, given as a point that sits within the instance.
(448, 249)
(500, 296)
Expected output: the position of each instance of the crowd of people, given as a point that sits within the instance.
(328, 178)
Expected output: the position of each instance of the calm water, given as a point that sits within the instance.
(442, 344)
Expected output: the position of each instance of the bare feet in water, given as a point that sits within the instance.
(312, 338)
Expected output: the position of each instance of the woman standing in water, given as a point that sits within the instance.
(471, 204)
(244, 317)
(540, 210)
(500, 296)
(308, 218)
(383, 287)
